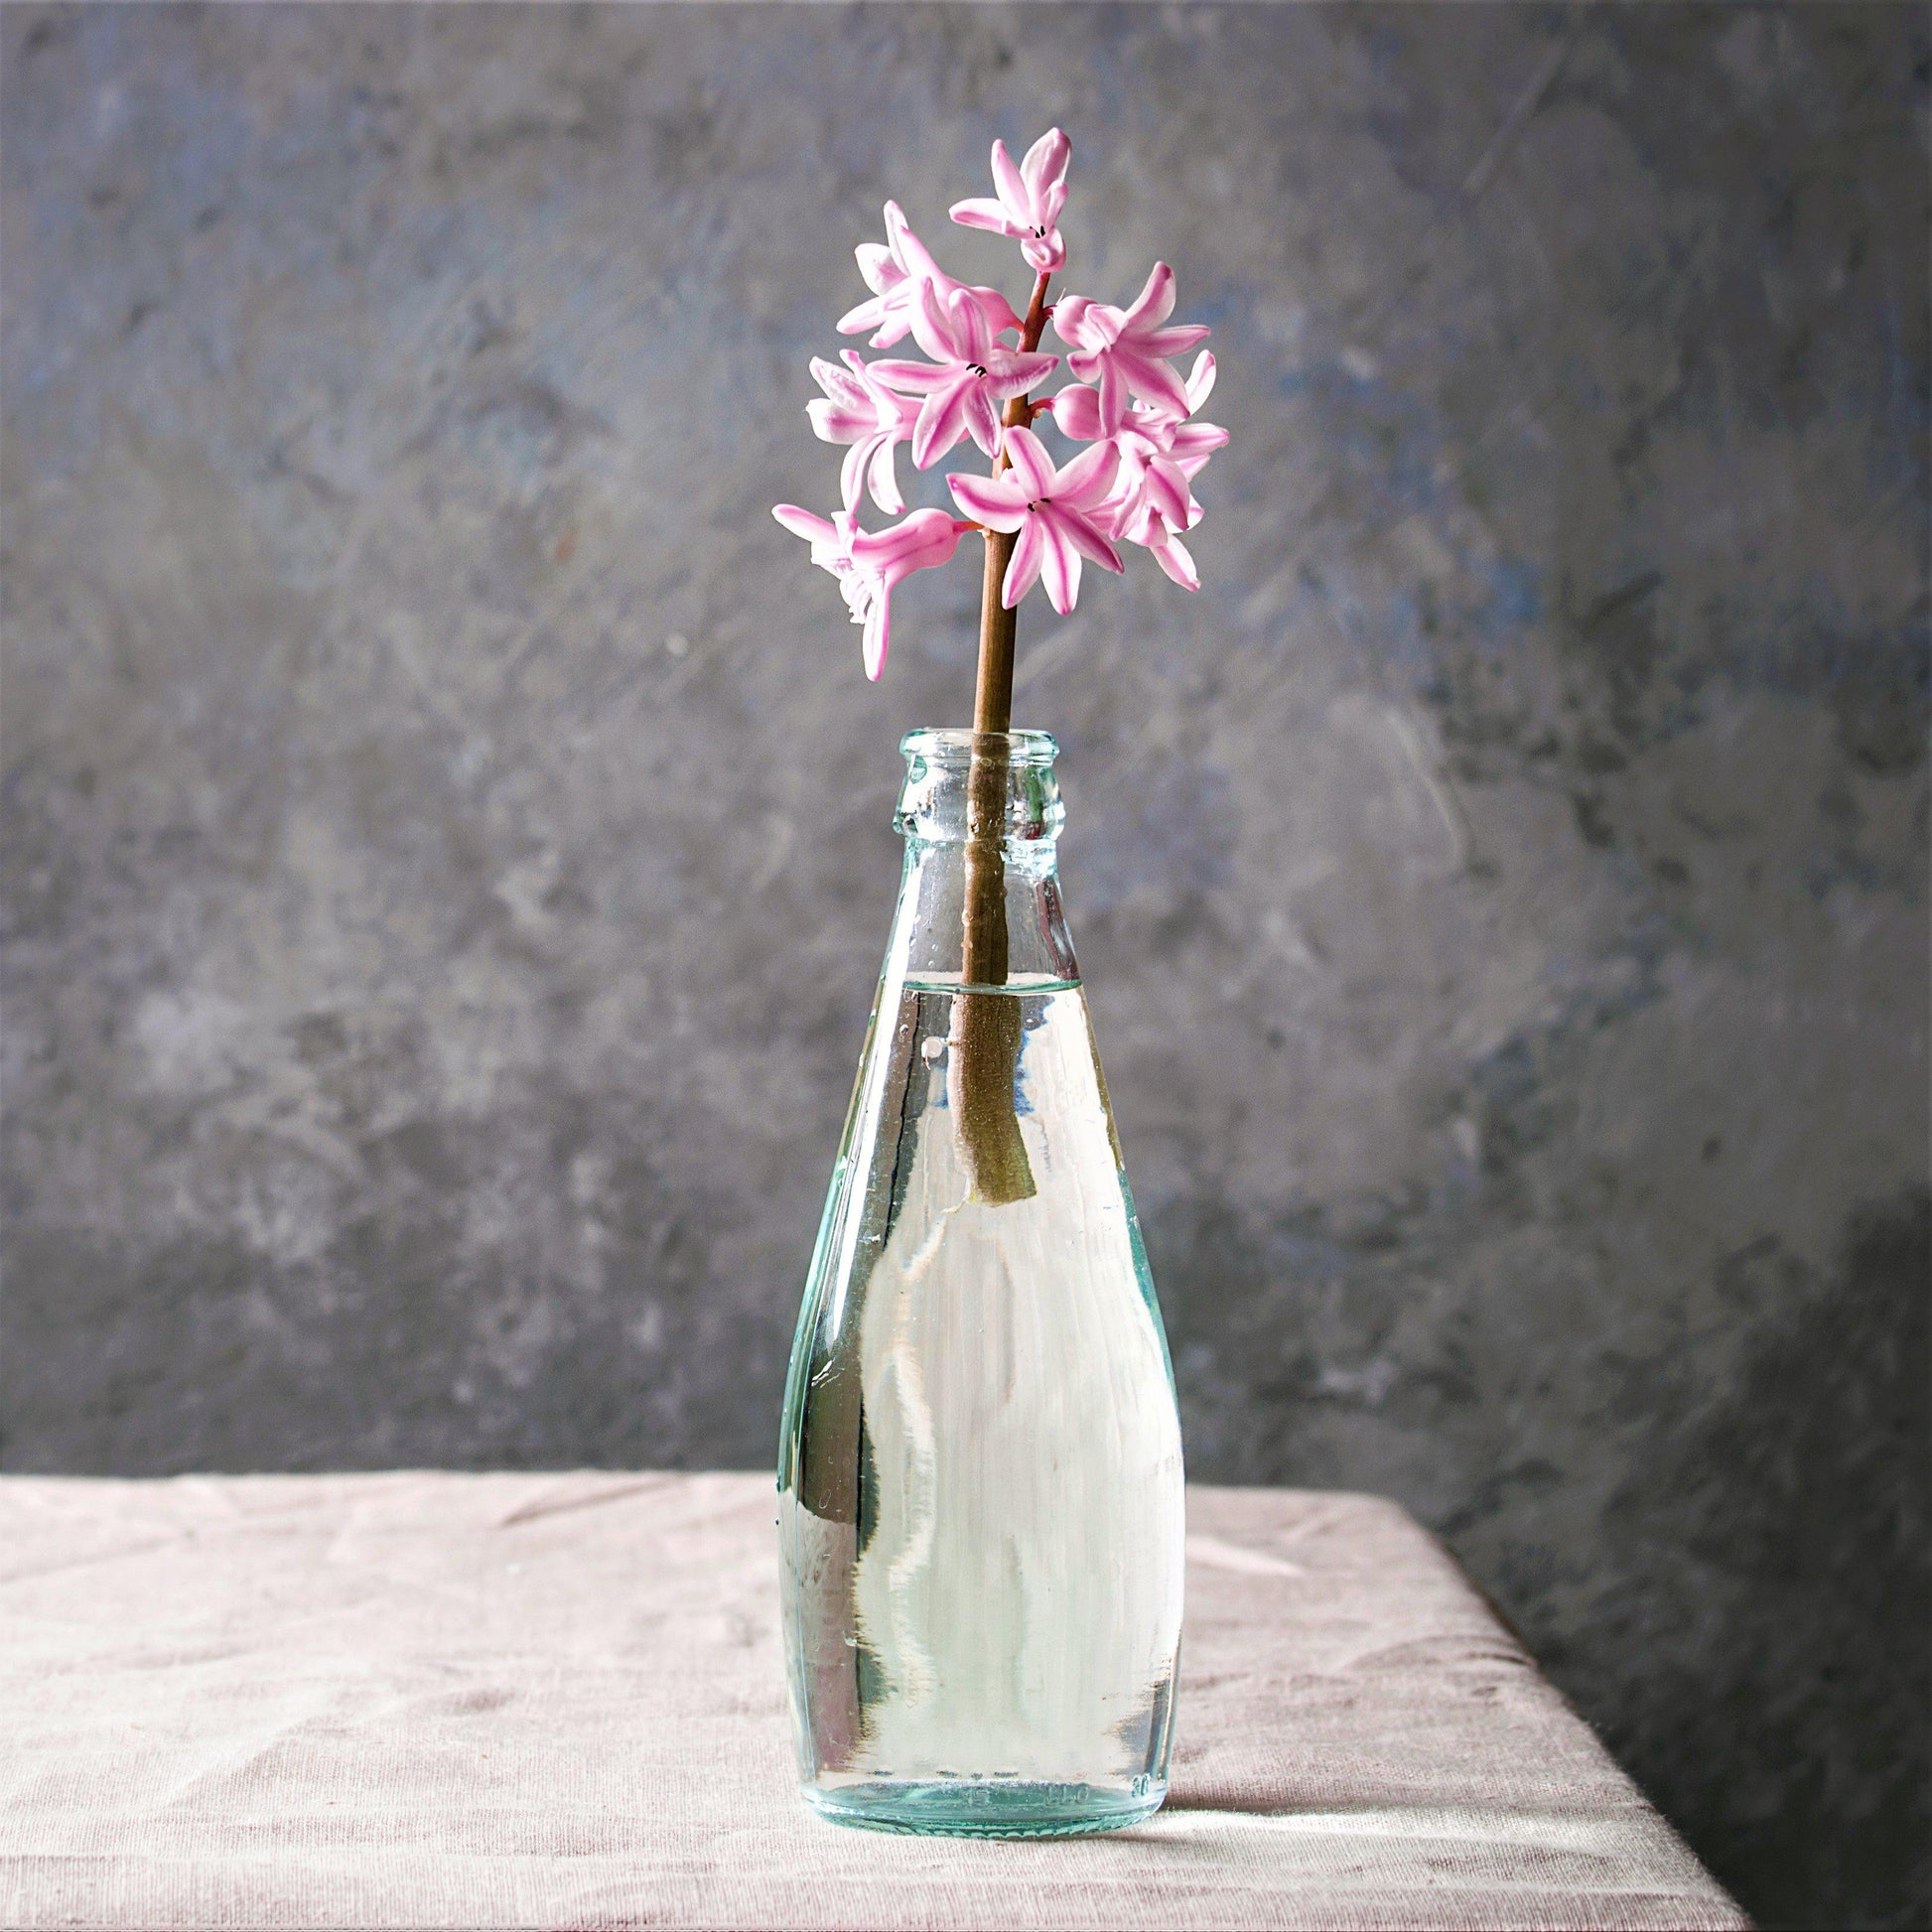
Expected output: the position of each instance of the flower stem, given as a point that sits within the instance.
(985, 1042)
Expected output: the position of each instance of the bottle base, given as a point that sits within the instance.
(983, 1807)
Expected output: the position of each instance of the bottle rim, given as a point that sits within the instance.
(956, 745)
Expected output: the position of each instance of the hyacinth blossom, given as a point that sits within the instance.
(868, 564)
(1161, 454)
(1058, 515)
(969, 377)
(1127, 348)
(1132, 482)
(895, 274)
(857, 408)
(1030, 201)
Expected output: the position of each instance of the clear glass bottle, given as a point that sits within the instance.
(980, 1479)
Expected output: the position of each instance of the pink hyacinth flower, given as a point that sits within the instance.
(1148, 482)
(1159, 456)
(860, 410)
(966, 380)
(869, 565)
(1030, 201)
(896, 273)
(1059, 514)
(1126, 349)
(1076, 413)
(1188, 442)
(1148, 528)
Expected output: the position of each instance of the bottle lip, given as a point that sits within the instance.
(949, 747)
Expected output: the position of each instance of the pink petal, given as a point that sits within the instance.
(876, 639)
(1045, 164)
(1147, 375)
(803, 524)
(838, 386)
(868, 315)
(1069, 319)
(995, 501)
(1116, 510)
(938, 537)
(874, 264)
(1084, 481)
(1167, 490)
(851, 475)
(1171, 342)
(1126, 488)
(932, 326)
(1060, 564)
(1076, 413)
(999, 311)
(1155, 303)
(1024, 570)
(1012, 374)
(831, 424)
(885, 479)
(942, 421)
(1173, 557)
(861, 374)
(1032, 468)
(982, 419)
(985, 213)
(1198, 440)
(1100, 325)
(1012, 185)
(919, 378)
(1044, 253)
(908, 248)
(970, 327)
(1113, 393)
(1085, 537)
(922, 540)
(1201, 383)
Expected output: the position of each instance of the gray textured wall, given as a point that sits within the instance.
(446, 845)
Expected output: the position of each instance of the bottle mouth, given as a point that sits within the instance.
(948, 749)
(944, 769)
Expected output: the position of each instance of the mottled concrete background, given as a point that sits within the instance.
(447, 843)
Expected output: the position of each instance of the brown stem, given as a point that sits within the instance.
(993, 686)
(985, 1043)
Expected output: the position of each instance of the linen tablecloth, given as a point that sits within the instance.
(495, 1701)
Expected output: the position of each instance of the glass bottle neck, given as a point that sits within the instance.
(980, 897)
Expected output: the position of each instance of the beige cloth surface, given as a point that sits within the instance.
(494, 1701)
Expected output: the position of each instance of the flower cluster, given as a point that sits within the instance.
(1126, 401)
